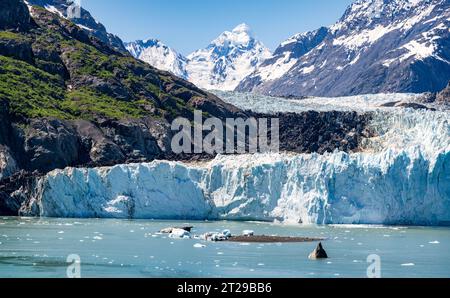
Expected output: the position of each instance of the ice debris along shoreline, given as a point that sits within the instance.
(247, 236)
(401, 177)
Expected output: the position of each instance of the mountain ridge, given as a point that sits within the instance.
(376, 47)
(85, 21)
(221, 65)
(159, 55)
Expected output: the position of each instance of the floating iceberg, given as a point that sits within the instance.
(402, 176)
(180, 234)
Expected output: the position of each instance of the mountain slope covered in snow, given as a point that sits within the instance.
(158, 55)
(226, 60)
(221, 65)
(378, 46)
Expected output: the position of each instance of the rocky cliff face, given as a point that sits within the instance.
(443, 97)
(85, 21)
(13, 15)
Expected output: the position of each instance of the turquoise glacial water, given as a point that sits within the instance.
(120, 248)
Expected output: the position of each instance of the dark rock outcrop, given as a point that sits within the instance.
(50, 144)
(14, 15)
(16, 48)
(318, 253)
(9, 149)
(322, 132)
(443, 97)
(15, 190)
(85, 20)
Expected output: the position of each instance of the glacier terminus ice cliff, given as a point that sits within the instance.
(399, 176)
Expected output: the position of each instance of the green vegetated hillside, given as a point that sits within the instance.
(69, 99)
(52, 68)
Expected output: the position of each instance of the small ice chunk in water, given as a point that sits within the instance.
(248, 233)
(408, 264)
(434, 242)
(226, 233)
(199, 245)
(180, 234)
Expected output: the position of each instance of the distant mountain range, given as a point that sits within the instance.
(222, 65)
(157, 54)
(378, 46)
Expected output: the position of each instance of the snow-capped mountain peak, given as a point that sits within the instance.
(227, 60)
(242, 28)
(159, 55)
(221, 65)
(240, 36)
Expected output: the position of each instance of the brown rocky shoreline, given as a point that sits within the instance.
(272, 239)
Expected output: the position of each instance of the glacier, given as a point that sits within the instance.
(401, 176)
(360, 103)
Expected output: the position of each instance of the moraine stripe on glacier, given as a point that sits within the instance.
(402, 177)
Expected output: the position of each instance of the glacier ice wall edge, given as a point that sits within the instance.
(339, 188)
(401, 177)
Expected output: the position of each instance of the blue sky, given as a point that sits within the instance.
(189, 25)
